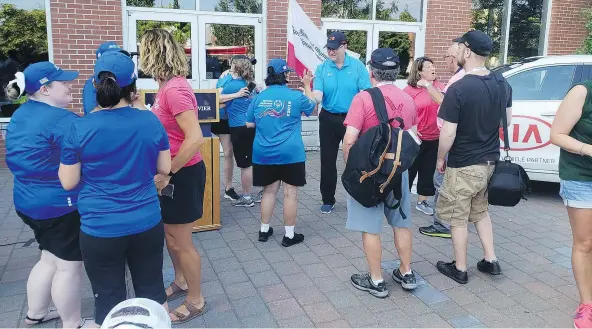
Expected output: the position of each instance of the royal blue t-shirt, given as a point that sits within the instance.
(33, 145)
(277, 112)
(237, 108)
(118, 150)
(89, 96)
(220, 84)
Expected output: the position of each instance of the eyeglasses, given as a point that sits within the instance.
(334, 50)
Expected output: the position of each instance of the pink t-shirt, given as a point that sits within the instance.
(427, 111)
(361, 114)
(175, 97)
(452, 80)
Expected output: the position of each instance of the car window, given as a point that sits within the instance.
(587, 73)
(546, 83)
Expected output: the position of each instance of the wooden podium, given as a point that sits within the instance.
(210, 220)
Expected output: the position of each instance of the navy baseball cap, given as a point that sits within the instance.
(235, 57)
(384, 59)
(120, 65)
(335, 40)
(477, 41)
(279, 66)
(106, 47)
(42, 73)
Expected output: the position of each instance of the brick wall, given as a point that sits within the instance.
(446, 20)
(78, 28)
(567, 26)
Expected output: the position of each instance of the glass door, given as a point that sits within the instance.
(184, 30)
(218, 42)
(359, 36)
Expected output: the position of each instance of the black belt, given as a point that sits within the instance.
(336, 114)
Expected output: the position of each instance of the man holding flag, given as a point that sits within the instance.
(335, 83)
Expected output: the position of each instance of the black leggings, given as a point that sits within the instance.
(424, 166)
(105, 258)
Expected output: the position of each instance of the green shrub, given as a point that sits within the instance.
(587, 45)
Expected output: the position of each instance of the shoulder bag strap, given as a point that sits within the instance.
(503, 94)
(379, 104)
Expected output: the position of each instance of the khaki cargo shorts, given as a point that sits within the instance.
(463, 195)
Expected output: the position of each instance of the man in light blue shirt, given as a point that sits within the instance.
(335, 84)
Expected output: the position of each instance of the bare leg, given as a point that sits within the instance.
(403, 242)
(373, 250)
(39, 285)
(247, 180)
(421, 198)
(460, 236)
(268, 201)
(228, 160)
(485, 231)
(581, 255)
(290, 204)
(66, 292)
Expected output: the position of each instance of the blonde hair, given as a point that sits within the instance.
(416, 68)
(161, 56)
(243, 68)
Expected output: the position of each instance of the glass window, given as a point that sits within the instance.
(547, 83)
(232, 6)
(23, 35)
(224, 41)
(488, 17)
(173, 4)
(525, 29)
(356, 42)
(352, 9)
(181, 32)
(403, 44)
(399, 10)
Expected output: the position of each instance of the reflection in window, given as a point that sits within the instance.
(351, 9)
(181, 31)
(403, 44)
(232, 6)
(172, 4)
(224, 41)
(356, 42)
(488, 17)
(399, 10)
(525, 29)
(23, 35)
(548, 83)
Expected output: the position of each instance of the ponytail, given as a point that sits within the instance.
(109, 93)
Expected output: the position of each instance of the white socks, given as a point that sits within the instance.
(376, 282)
(290, 232)
(264, 228)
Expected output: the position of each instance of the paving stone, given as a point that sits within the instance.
(248, 255)
(296, 322)
(286, 268)
(240, 290)
(431, 320)
(234, 276)
(274, 292)
(306, 258)
(465, 321)
(448, 309)
(322, 312)
(219, 253)
(327, 284)
(12, 303)
(306, 296)
(297, 281)
(220, 320)
(429, 294)
(532, 302)
(249, 306)
(323, 249)
(317, 270)
(212, 288)
(16, 275)
(285, 309)
(343, 299)
(264, 320)
(9, 319)
(359, 317)
(226, 264)
(334, 324)
(214, 244)
(395, 318)
(542, 290)
(257, 266)
(264, 278)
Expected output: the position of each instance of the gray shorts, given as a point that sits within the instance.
(369, 220)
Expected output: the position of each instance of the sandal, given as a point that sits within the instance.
(177, 292)
(52, 314)
(194, 312)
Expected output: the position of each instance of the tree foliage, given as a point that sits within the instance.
(23, 34)
(587, 44)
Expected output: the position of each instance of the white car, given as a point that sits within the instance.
(539, 84)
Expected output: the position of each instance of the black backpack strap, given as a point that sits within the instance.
(503, 95)
(379, 104)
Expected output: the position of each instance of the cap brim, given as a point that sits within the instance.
(459, 40)
(66, 76)
(332, 45)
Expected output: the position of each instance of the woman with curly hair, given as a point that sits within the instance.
(175, 105)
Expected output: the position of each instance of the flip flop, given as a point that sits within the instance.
(52, 314)
(177, 292)
(194, 312)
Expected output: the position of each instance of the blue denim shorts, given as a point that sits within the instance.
(576, 194)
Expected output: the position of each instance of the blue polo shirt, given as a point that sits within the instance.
(220, 84)
(340, 85)
(237, 108)
(33, 145)
(277, 113)
(118, 150)
(89, 96)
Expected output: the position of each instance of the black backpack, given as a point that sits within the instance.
(378, 159)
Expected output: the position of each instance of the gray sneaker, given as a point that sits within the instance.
(244, 202)
(257, 198)
(364, 282)
(425, 208)
(327, 208)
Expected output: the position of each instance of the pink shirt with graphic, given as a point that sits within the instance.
(361, 114)
(427, 111)
(452, 80)
(174, 98)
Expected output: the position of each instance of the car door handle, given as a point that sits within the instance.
(548, 114)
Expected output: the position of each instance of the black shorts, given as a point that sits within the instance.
(59, 235)
(242, 144)
(186, 206)
(105, 259)
(293, 174)
(220, 128)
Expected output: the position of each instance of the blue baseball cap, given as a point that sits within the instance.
(335, 40)
(121, 65)
(279, 66)
(42, 73)
(384, 59)
(107, 47)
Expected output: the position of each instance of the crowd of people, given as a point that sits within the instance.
(108, 189)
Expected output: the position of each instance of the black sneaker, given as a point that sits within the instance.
(263, 236)
(231, 194)
(408, 281)
(364, 282)
(492, 267)
(450, 270)
(287, 242)
(433, 231)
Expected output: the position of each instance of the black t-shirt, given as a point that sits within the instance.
(473, 103)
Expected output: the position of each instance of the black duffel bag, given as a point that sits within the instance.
(509, 182)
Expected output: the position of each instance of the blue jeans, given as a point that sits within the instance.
(439, 225)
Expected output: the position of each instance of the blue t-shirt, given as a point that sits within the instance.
(340, 85)
(237, 108)
(89, 96)
(33, 145)
(220, 84)
(118, 150)
(277, 112)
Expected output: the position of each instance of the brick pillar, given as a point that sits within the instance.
(446, 20)
(567, 30)
(78, 27)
